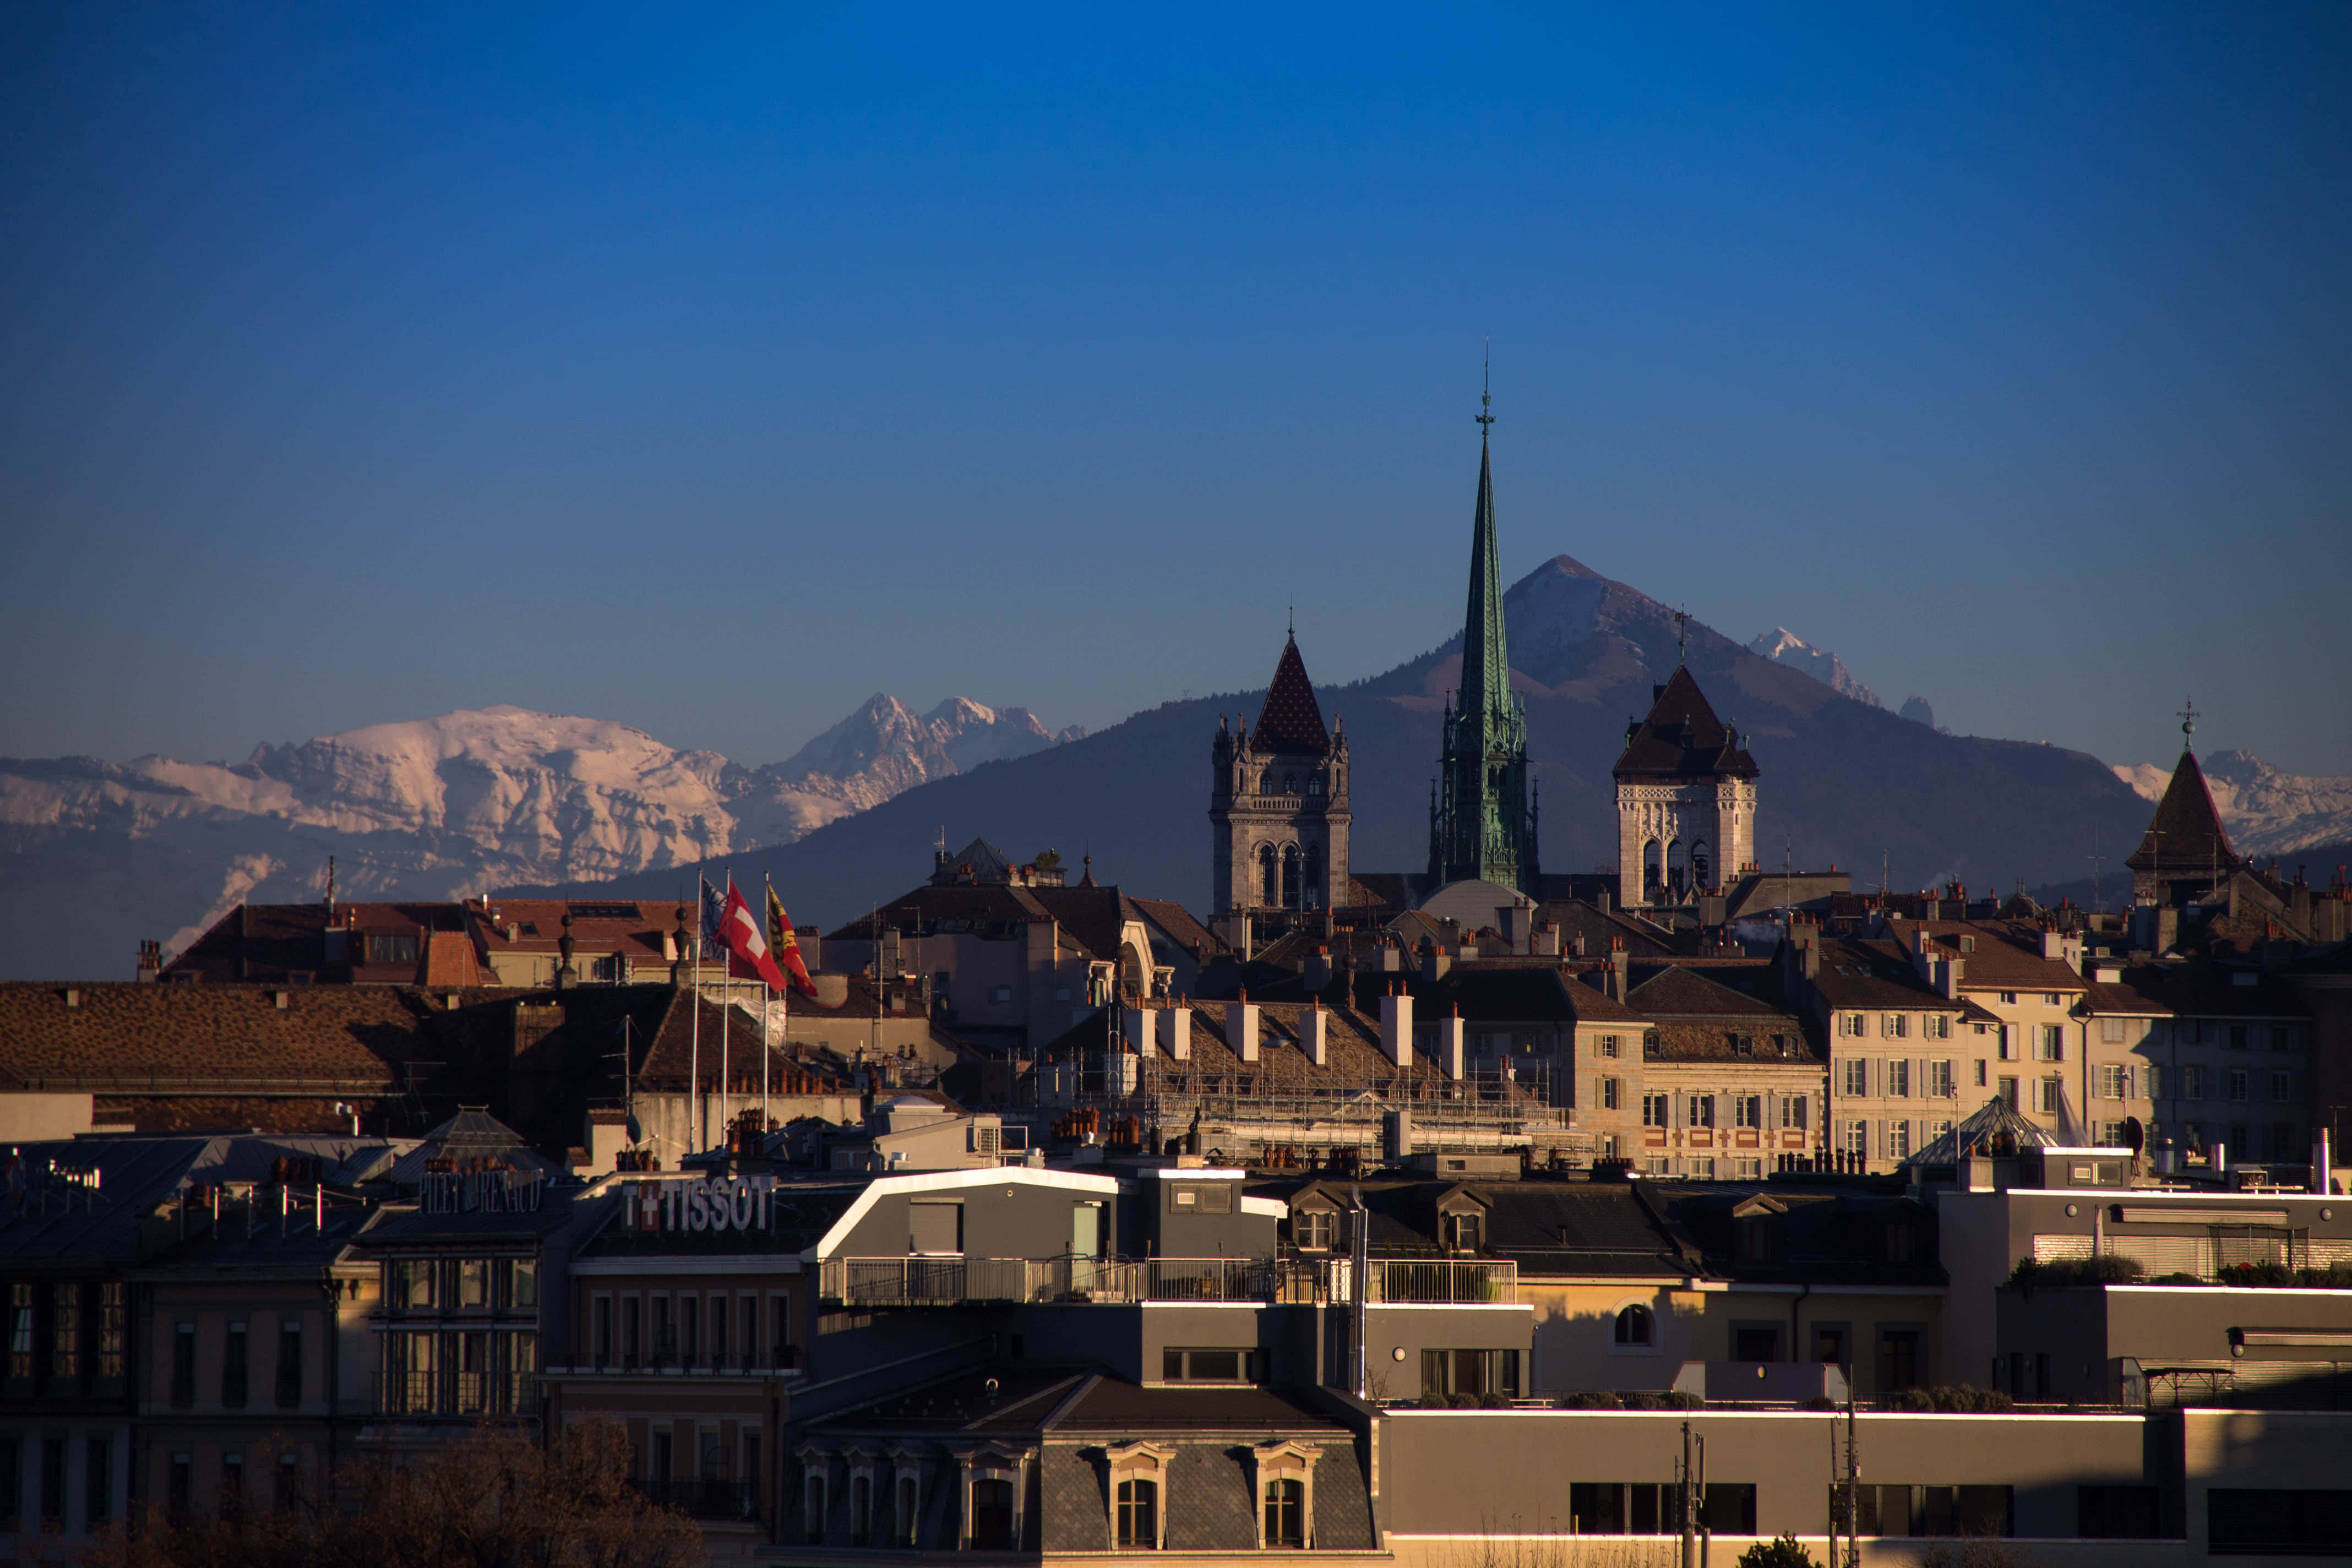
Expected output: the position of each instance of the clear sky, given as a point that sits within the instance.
(711, 369)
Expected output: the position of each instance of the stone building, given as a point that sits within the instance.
(1278, 803)
(1686, 800)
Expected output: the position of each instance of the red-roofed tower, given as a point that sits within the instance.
(1278, 802)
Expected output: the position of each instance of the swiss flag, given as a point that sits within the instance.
(747, 945)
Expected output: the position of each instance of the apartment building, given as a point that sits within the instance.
(1907, 1059)
(1730, 1085)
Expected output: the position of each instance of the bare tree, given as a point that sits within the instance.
(491, 1501)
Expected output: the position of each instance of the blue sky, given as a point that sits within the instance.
(711, 369)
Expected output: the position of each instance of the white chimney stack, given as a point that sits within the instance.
(1314, 1034)
(1451, 1053)
(1176, 1032)
(1396, 1026)
(1240, 1029)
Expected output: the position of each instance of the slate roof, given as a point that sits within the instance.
(1826, 1236)
(2185, 836)
(1290, 720)
(1680, 993)
(2002, 959)
(1681, 738)
(1181, 926)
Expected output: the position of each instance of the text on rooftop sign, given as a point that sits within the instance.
(739, 1203)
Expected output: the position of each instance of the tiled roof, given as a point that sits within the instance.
(1178, 922)
(1826, 1236)
(1681, 738)
(1097, 916)
(1677, 992)
(126, 1037)
(1876, 974)
(2186, 835)
(1290, 720)
(2000, 958)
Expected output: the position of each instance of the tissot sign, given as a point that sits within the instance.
(722, 1203)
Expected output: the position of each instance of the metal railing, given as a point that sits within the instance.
(441, 1393)
(949, 1282)
(712, 1498)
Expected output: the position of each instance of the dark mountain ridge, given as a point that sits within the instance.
(1844, 783)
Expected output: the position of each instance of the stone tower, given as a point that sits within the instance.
(1686, 800)
(1278, 803)
(1481, 824)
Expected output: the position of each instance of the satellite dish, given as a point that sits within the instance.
(2135, 1134)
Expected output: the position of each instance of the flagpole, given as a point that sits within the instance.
(768, 886)
(724, 1020)
(694, 1055)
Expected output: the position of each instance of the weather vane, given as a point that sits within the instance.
(2187, 717)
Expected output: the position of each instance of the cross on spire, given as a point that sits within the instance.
(1681, 636)
(1487, 393)
(2187, 717)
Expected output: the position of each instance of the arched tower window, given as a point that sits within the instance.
(1314, 894)
(1701, 866)
(1290, 877)
(1677, 868)
(1269, 877)
(1653, 871)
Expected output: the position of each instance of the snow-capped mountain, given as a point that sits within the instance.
(1782, 646)
(430, 808)
(2267, 812)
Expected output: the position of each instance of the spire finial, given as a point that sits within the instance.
(1681, 636)
(1293, 628)
(2187, 717)
(1487, 393)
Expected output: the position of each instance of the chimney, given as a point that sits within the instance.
(1619, 962)
(1515, 918)
(1176, 1031)
(1451, 1052)
(1241, 1027)
(1396, 1026)
(1601, 900)
(1314, 1034)
(1434, 962)
(1947, 977)
(1136, 1027)
(1577, 945)
(150, 959)
(1318, 970)
(2052, 943)
(1547, 940)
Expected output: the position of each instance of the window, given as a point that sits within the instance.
(2241, 1138)
(1981, 1072)
(12, 1483)
(473, 1283)
(2009, 998)
(290, 1483)
(2051, 1043)
(183, 1363)
(53, 1483)
(64, 1329)
(391, 949)
(1635, 1327)
(2282, 1038)
(1743, 1045)
(935, 1228)
(1609, 1093)
(1462, 1231)
(1207, 1365)
(1853, 1139)
(907, 1520)
(2238, 1032)
(717, 1331)
(1853, 1076)
(98, 1482)
(1606, 1046)
(2281, 1142)
(2107, 1134)
(1000, 993)
(1934, 1025)
(1899, 1140)
(632, 1342)
(2192, 1083)
(1286, 1512)
(1929, 1511)
(1852, 1024)
(2051, 999)
(2007, 1090)
(1473, 1372)
(813, 1501)
(991, 1514)
(232, 1486)
(2111, 1031)
(1701, 1110)
(113, 1328)
(20, 1329)
(177, 1489)
(779, 1345)
(1792, 1110)
(2278, 1522)
(1138, 1514)
(2006, 1049)
(1748, 1110)
(413, 1282)
(290, 1363)
(1898, 1358)
(1313, 1229)
(689, 1330)
(2115, 1082)
(601, 1333)
(1898, 1079)
(236, 1368)
(1209, 1197)
(2238, 1076)
(2284, 1087)
(2152, 1082)
(1656, 1111)
(2047, 1093)
(1896, 1026)
(2113, 1512)
(1940, 1080)
(519, 1285)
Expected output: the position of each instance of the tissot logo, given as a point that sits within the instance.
(740, 1204)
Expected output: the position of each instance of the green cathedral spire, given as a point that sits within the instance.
(1482, 825)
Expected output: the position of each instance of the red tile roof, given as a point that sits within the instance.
(1290, 720)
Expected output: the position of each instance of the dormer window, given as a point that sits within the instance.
(1312, 1229)
(1463, 1232)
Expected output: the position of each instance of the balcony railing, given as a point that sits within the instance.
(712, 1498)
(442, 1393)
(948, 1281)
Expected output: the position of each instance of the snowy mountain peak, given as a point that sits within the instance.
(1782, 646)
(2267, 812)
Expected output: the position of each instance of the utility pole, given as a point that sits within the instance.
(1685, 1516)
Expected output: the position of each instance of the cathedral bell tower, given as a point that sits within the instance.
(1278, 812)
(1482, 822)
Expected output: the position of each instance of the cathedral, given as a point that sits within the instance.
(1482, 821)
(1686, 800)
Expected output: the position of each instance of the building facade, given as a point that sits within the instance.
(1279, 815)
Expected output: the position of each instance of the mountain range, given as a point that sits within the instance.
(2266, 812)
(1845, 782)
(98, 855)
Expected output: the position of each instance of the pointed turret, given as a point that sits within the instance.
(1291, 720)
(1485, 650)
(2185, 850)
